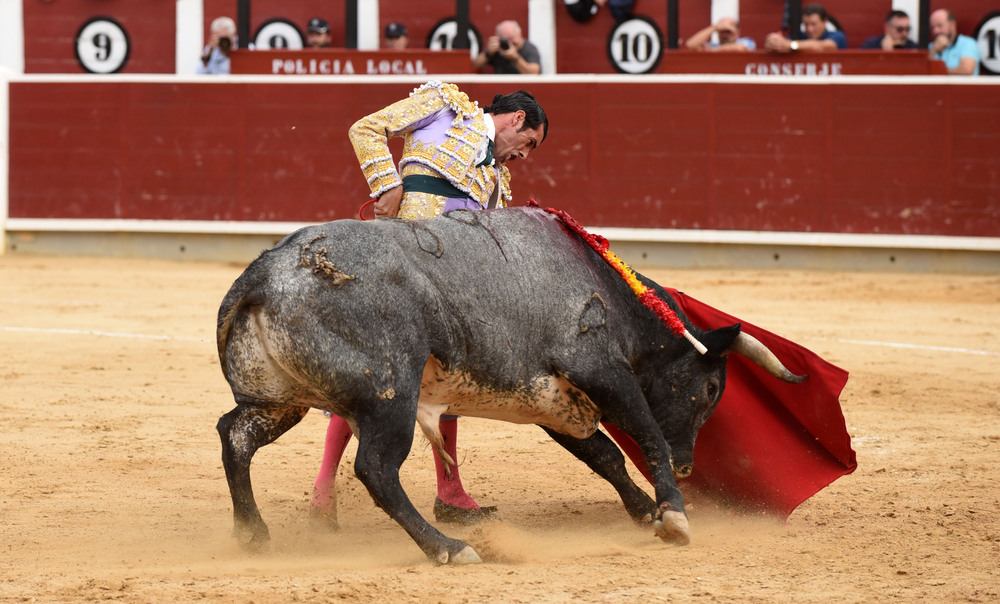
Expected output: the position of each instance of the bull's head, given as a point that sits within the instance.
(684, 394)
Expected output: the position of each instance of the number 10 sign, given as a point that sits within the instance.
(635, 45)
(988, 38)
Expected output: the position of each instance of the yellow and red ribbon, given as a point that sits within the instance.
(645, 295)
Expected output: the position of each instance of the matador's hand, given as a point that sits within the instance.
(387, 205)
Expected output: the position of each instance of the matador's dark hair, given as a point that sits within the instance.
(534, 115)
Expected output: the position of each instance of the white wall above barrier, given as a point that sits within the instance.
(12, 35)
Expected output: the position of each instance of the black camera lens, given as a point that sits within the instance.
(225, 43)
(504, 43)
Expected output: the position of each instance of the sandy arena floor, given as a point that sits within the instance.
(113, 489)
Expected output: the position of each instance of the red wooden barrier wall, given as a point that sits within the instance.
(921, 158)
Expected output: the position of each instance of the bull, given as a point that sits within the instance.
(502, 314)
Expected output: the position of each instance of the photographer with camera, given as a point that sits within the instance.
(215, 58)
(508, 52)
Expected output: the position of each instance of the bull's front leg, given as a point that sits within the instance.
(606, 460)
(385, 434)
(670, 521)
(615, 391)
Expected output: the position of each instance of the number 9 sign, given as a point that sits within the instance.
(635, 45)
(102, 46)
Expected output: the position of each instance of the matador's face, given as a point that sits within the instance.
(514, 140)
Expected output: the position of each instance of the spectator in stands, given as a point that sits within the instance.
(508, 52)
(818, 37)
(621, 10)
(727, 32)
(318, 34)
(959, 53)
(896, 36)
(395, 37)
(222, 40)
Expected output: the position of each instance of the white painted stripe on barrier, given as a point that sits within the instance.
(326, 80)
(280, 229)
(96, 332)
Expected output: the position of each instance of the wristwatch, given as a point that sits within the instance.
(794, 46)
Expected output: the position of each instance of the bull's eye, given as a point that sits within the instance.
(711, 390)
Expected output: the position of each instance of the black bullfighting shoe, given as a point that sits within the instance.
(444, 512)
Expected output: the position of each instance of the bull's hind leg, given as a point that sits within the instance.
(243, 430)
(385, 434)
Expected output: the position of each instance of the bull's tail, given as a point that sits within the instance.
(429, 420)
(242, 295)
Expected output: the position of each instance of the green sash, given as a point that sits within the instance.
(434, 185)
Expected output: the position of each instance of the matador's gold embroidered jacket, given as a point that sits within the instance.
(442, 133)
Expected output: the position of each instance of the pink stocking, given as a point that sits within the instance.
(324, 499)
(450, 490)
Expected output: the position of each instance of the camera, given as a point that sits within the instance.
(504, 43)
(225, 43)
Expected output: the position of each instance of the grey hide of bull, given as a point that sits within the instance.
(500, 314)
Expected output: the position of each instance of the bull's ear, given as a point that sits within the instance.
(719, 340)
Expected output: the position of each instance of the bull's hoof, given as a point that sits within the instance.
(253, 540)
(672, 527)
(323, 521)
(466, 556)
(444, 512)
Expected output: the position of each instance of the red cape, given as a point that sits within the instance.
(769, 445)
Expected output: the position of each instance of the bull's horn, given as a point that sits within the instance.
(750, 347)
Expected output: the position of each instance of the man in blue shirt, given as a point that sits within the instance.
(215, 57)
(818, 37)
(959, 53)
(897, 34)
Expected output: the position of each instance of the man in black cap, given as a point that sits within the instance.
(318, 34)
(395, 37)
